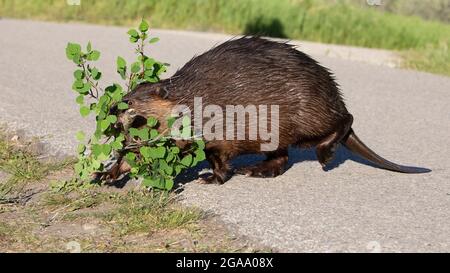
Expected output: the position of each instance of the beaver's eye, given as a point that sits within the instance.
(130, 103)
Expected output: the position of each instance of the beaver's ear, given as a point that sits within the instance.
(162, 92)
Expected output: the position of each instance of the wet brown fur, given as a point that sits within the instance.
(256, 71)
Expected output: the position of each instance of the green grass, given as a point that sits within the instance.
(424, 44)
(129, 212)
(22, 166)
(149, 212)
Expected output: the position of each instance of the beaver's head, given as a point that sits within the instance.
(146, 100)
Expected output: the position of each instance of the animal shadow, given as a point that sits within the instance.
(265, 27)
(295, 156)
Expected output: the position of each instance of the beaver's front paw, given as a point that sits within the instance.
(212, 179)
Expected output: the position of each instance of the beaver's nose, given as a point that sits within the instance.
(119, 126)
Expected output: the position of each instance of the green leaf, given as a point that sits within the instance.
(135, 67)
(133, 33)
(152, 79)
(145, 152)
(148, 64)
(122, 106)
(118, 95)
(194, 162)
(121, 63)
(187, 160)
(152, 121)
(178, 169)
(85, 89)
(153, 133)
(130, 158)
(96, 75)
(133, 39)
(200, 155)
(89, 47)
(169, 184)
(134, 171)
(102, 112)
(80, 99)
(109, 89)
(77, 58)
(154, 182)
(77, 84)
(104, 125)
(160, 69)
(200, 144)
(120, 137)
(106, 149)
(103, 151)
(121, 67)
(143, 27)
(171, 121)
(81, 148)
(94, 55)
(111, 119)
(165, 167)
(117, 143)
(170, 157)
(159, 152)
(84, 111)
(78, 74)
(144, 134)
(72, 49)
(93, 106)
(133, 83)
(154, 40)
(96, 149)
(134, 132)
(115, 92)
(96, 164)
(80, 136)
(81, 87)
(175, 150)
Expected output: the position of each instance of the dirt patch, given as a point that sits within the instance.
(3, 177)
(97, 221)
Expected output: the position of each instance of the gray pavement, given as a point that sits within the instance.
(403, 115)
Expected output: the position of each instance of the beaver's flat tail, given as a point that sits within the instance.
(354, 144)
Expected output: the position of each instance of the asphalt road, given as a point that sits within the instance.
(403, 115)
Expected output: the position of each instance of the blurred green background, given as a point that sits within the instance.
(418, 29)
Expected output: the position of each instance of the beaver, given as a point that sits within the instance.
(256, 71)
